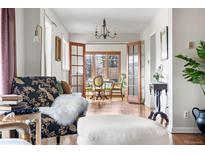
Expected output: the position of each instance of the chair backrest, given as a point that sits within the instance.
(98, 81)
(109, 84)
(36, 91)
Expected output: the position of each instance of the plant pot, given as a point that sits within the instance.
(199, 116)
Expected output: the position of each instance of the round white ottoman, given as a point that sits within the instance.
(119, 130)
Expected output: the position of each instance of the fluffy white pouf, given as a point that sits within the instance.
(119, 130)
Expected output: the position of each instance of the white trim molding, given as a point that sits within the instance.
(183, 130)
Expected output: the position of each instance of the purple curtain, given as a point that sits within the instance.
(8, 49)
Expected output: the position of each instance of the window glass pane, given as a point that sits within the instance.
(74, 80)
(74, 50)
(74, 89)
(80, 89)
(113, 63)
(135, 63)
(106, 65)
(130, 90)
(88, 67)
(74, 70)
(80, 70)
(136, 90)
(80, 80)
(80, 50)
(80, 60)
(74, 60)
(130, 80)
(101, 67)
(135, 80)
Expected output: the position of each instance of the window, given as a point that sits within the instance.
(106, 64)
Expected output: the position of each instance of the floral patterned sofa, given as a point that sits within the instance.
(41, 92)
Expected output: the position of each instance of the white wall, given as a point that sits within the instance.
(162, 18)
(20, 41)
(188, 25)
(32, 49)
(87, 38)
(61, 32)
(29, 52)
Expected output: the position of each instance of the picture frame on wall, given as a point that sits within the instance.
(58, 49)
(164, 43)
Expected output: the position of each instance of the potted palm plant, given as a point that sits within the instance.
(194, 72)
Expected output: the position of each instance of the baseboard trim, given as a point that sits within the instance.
(184, 130)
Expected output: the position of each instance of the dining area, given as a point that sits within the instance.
(100, 88)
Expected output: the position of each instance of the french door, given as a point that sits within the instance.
(134, 72)
(77, 67)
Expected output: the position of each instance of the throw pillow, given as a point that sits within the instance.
(67, 89)
(59, 86)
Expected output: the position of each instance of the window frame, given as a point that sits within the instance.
(106, 53)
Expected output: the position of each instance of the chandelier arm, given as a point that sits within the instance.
(112, 36)
(104, 32)
(98, 36)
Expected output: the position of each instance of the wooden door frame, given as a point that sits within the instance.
(70, 59)
(139, 68)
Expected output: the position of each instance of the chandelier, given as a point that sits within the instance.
(105, 33)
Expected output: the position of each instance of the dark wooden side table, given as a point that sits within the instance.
(158, 88)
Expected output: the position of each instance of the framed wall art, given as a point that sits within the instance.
(58, 48)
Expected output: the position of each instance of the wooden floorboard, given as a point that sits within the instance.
(116, 107)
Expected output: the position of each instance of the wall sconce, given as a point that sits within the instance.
(38, 34)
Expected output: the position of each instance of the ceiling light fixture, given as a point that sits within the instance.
(105, 32)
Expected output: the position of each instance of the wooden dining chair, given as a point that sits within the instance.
(108, 87)
(98, 86)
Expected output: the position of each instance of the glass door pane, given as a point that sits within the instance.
(77, 68)
(74, 60)
(135, 63)
(133, 72)
(80, 60)
(80, 51)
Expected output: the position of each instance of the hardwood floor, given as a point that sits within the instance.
(116, 106)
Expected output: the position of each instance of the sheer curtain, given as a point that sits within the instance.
(65, 56)
(7, 49)
(46, 59)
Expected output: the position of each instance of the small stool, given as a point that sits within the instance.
(119, 130)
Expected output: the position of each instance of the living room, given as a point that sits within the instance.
(147, 32)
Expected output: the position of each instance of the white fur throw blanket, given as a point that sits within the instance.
(66, 108)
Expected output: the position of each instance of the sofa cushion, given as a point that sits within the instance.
(36, 91)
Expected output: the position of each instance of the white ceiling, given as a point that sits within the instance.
(84, 20)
